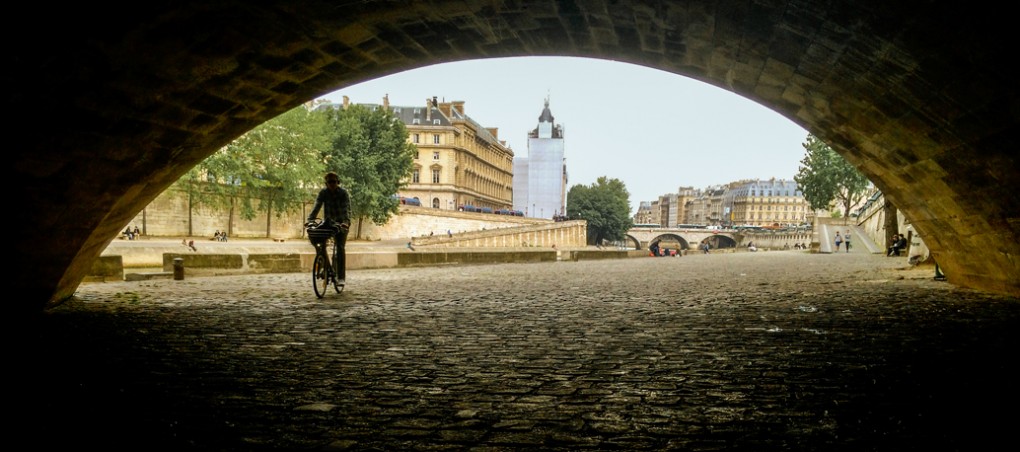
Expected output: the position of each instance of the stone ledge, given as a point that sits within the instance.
(242, 263)
(147, 276)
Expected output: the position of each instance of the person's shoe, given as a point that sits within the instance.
(341, 282)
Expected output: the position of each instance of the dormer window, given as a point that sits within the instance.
(416, 121)
(435, 121)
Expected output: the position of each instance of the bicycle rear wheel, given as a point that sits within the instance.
(320, 275)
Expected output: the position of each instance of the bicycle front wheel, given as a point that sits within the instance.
(320, 275)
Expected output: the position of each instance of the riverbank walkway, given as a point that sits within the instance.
(769, 351)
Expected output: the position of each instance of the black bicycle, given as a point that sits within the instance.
(324, 270)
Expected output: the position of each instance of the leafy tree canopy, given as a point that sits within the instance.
(370, 151)
(605, 205)
(826, 178)
(268, 169)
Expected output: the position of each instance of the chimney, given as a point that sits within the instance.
(428, 110)
(386, 102)
(494, 131)
(347, 102)
(435, 101)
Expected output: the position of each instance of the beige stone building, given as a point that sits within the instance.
(769, 203)
(766, 203)
(706, 207)
(644, 214)
(459, 162)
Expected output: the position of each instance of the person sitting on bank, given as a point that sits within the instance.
(899, 243)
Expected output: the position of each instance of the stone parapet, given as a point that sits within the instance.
(563, 234)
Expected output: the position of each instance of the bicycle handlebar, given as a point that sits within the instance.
(315, 223)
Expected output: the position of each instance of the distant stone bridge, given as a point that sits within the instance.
(684, 239)
(640, 238)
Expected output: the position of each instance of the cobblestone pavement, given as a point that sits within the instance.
(748, 351)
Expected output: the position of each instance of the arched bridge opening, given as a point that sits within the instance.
(144, 98)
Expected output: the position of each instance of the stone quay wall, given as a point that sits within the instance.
(169, 215)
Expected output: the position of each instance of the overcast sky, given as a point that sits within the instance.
(653, 130)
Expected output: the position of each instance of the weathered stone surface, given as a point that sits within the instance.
(914, 96)
(784, 350)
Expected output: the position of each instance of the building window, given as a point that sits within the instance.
(416, 155)
(435, 156)
(416, 138)
(435, 138)
(435, 121)
(416, 176)
(435, 176)
(415, 121)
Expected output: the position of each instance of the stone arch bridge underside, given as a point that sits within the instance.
(108, 105)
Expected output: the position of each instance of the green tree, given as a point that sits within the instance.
(268, 169)
(826, 178)
(605, 205)
(371, 153)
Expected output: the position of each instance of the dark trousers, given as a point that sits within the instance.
(341, 254)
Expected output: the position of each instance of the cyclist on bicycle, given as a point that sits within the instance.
(335, 203)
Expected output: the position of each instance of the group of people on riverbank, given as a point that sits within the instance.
(898, 243)
(131, 234)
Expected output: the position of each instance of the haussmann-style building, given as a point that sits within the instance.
(459, 162)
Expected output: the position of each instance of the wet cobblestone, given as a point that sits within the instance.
(748, 351)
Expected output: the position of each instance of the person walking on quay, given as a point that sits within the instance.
(846, 240)
(335, 203)
(839, 240)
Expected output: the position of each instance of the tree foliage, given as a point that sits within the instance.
(268, 169)
(605, 205)
(370, 152)
(826, 179)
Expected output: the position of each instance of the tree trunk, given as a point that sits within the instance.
(891, 220)
(269, 216)
(230, 218)
(190, 196)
